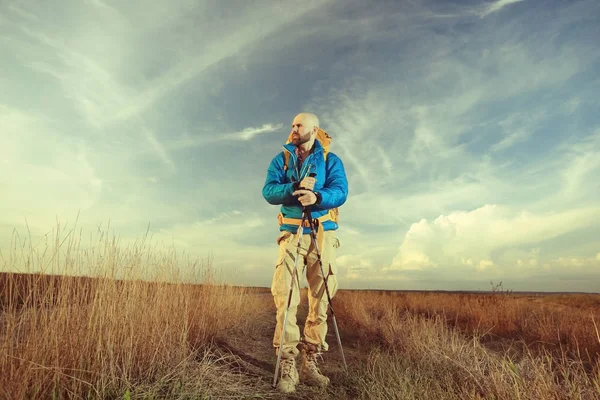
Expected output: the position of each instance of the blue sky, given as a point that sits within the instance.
(470, 132)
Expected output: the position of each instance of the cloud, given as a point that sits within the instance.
(432, 109)
(482, 236)
(187, 141)
(429, 120)
(581, 163)
(159, 148)
(519, 127)
(48, 168)
(22, 13)
(572, 264)
(249, 26)
(109, 91)
(497, 6)
(354, 262)
(250, 133)
(463, 128)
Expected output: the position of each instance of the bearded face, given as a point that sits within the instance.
(301, 130)
(300, 137)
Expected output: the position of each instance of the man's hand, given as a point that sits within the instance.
(307, 197)
(307, 183)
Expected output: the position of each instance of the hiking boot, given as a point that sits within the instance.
(288, 378)
(309, 370)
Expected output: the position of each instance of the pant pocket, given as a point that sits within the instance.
(283, 236)
(279, 286)
(330, 254)
(317, 284)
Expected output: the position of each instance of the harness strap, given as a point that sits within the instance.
(296, 221)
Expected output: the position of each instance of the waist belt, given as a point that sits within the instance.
(297, 221)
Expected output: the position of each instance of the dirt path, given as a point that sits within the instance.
(256, 359)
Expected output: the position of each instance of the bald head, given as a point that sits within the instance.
(309, 120)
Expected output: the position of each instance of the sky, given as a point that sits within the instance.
(469, 132)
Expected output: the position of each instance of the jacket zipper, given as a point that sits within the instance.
(304, 166)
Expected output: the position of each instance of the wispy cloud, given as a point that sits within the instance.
(580, 166)
(247, 32)
(518, 127)
(445, 133)
(159, 148)
(251, 133)
(497, 6)
(187, 141)
(48, 169)
(22, 13)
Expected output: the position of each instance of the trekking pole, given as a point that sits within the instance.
(314, 239)
(282, 337)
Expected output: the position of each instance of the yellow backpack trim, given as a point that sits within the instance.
(325, 140)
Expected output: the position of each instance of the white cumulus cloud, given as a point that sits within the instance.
(482, 237)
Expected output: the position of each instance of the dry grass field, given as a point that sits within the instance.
(72, 337)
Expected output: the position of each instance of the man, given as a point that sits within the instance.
(293, 188)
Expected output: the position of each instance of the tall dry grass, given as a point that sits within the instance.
(561, 323)
(111, 321)
(420, 351)
(134, 327)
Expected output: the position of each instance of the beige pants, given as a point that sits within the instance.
(315, 327)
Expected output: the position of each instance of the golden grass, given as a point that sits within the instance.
(431, 345)
(559, 323)
(102, 337)
(135, 329)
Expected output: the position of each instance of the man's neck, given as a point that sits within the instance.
(305, 148)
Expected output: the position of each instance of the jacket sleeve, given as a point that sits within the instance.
(276, 190)
(335, 189)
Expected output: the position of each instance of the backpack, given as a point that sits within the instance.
(325, 141)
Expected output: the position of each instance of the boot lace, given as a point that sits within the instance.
(311, 361)
(287, 367)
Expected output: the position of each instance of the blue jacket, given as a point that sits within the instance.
(331, 183)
